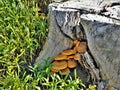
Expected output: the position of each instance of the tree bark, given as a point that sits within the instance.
(98, 22)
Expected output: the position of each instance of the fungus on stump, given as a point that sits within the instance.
(67, 59)
(98, 22)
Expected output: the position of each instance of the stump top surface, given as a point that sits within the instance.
(109, 8)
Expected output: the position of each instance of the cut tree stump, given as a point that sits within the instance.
(97, 22)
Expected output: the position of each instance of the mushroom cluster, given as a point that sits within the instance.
(68, 58)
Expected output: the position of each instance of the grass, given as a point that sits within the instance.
(22, 32)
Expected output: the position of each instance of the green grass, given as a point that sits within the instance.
(22, 32)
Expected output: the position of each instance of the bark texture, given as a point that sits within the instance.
(98, 22)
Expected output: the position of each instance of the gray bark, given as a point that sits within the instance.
(97, 21)
(55, 43)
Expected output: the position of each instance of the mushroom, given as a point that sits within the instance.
(76, 42)
(77, 56)
(59, 65)
(70, 57)
(82, 47)
(54, 70)
(68, 52)
(65, 71)
(60, 57)
(76, 45)
(72, 63)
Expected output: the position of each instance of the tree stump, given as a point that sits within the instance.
(98, 22)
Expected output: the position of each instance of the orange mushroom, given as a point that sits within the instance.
(82, 47)
(70, 57)
(60, 57)
(76, 42)
(65, 71)
(54, 70)
(59, 65)
(77, 56)
(68, 52)
(76, 45)
(72, 63)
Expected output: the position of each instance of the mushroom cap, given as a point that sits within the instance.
(68, 52)
(82, 47)
(72, 63)
(59, 65)
(77, 45)
(77, 56)
(76, 42)
(65, 71)
(60, 57)
(70, 57)
(54, 70)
